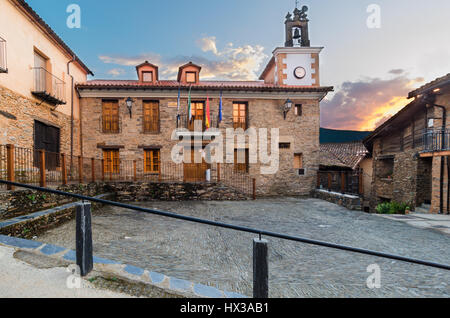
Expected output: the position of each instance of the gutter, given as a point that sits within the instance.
(71, 110)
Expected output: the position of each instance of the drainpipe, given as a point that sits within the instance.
(71, 111)
(441, 181)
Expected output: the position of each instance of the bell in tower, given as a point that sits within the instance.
(297, 28)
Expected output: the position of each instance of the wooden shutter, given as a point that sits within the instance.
(151, 116)
(110, 116)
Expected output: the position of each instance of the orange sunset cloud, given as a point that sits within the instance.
(366, 104)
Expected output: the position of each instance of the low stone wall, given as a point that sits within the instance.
(23, 202)
(33, 224)
(351, 202)
(142, 191)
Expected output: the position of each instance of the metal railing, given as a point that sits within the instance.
(3, 56)
(48, 87)
(436, 140)
(240, 122)
(40, 167)
(183, 121)
(346, 182)
(260, 255)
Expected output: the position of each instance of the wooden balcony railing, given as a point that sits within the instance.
(3, 60)
(48, 87)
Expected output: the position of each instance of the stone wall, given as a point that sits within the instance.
(142, 192)
(17, 117)
(302, 132)
(401, 185)
(351, 202)
(22, 202)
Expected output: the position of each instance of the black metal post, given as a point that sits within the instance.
(84, 238)
(260, 269)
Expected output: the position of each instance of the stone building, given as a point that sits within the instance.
(136, 119)
(38, 106)
(411, 151)
(353, 159)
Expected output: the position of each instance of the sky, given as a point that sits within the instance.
(372, 69)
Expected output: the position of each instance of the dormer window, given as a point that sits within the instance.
(189, 73)
(147, 72)
(191, 77)
(147, 77)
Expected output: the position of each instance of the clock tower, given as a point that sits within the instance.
(297, 63)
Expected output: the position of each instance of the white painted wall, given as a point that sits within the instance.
(22, 37)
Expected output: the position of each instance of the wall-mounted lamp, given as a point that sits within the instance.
(129, 102)
(287, 107)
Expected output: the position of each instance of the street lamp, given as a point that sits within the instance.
(129, 102)
(287, 107)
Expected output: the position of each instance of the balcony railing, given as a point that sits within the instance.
(436, 140)
(183, 121)
(3, 60)
(240, 122)
(48, 87)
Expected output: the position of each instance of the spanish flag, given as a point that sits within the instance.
(208, 115)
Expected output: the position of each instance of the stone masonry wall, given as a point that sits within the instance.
(301, 131)
(144, 192)
(402, 186)
(17, 116)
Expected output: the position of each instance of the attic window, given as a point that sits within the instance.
(285, 145)
(147, 76)
(191, 77)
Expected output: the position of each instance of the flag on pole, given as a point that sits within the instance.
(219, 120)
(189, 105)
(208, 115)
(178, 103)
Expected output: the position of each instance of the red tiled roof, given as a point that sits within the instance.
(347, 155)
(52, 33)
(170, 84)
(429, 86)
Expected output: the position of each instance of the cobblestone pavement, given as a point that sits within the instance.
(223, 258)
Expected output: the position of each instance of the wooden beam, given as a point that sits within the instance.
(435, 154)
(10, 165)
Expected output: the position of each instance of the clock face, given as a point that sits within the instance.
(299, 72)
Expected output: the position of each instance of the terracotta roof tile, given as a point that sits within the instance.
(347, 155)
(200, 85)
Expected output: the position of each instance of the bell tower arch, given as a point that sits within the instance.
(297, 33)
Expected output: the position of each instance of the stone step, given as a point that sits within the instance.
(424, 208)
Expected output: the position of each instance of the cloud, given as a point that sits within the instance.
(231, 63)
(116, 72)
(366, 104)
(397, 71)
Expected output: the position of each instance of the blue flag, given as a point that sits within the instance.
(220, 108)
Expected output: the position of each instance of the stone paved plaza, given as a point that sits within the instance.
(223, 258)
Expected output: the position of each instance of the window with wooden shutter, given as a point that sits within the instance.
(240, 115)
(111, 160)
(151, 116)
(152, 161)
(298, 164)
(110, 117)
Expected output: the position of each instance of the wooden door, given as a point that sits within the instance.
(194, 172)
(47, 138)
